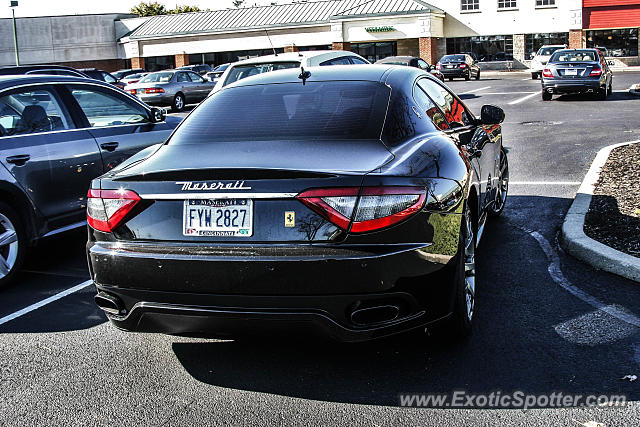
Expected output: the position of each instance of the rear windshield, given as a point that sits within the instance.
(157, 78)
(574, 55)
(290, 111)
(453, 58)
(240, 72)
(547, 51)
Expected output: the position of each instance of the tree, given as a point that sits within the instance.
(238, 3)
(185, 9)
(149, 9)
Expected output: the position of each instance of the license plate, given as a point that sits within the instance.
(449, 66)
(571, 72)
(218, 218)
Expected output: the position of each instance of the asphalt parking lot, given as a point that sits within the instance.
(545, 322)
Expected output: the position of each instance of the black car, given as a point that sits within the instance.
(577, 71)
(120, 74)
(56, 135)
(103, 76)
(412, 61)
(201, 69)
(50, 70)
(459, 65)
(348, 202)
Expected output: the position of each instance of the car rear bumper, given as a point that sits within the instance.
(156, 99)
(571, 86)
(455, 72)
(351, 294)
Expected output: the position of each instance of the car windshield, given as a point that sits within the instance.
(221, 68)
(157, 78)
(240, 72)
(335, 110)
(547, 51)
(574, 56)
(452, 58)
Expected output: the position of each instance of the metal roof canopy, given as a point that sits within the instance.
(274, 16)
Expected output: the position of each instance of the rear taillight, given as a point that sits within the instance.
(463, 65)
(371, 208)
(438, 66)
(547, 73)
(596, 72)
(107, 208)
(154, 90)
(132, 91)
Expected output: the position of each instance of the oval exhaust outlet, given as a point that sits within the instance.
(375, 315)
(108, 303)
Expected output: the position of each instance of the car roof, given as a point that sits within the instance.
(294, 56)
(552, 45)
(8, 81)
(360, 72)
(396, 58)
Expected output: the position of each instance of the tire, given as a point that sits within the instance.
(503, 186)
(478, 75)
(468, 76)
(178, 103)
(460, 324)
(546, 96)
(534, 76)
(450, 79)
(13, 244)
(602, 94)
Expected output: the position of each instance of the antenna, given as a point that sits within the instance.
(304, 75)
(273, 48)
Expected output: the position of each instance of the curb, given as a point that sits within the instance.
(575, 242)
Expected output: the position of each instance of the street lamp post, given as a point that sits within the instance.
(13, 4)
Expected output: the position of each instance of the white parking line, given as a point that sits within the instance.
(544, 183)
(44, 302)
(507, 93)
(475, 90)
(524, 98)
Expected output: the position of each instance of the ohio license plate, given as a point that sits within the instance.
(571, 72)
(218, 218)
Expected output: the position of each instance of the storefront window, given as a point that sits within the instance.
(622, 42)
(375, 51)
(157, 63)
(484, 48)
(536, 41)
(320, 47)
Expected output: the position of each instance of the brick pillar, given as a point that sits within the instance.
(137, 62)
(182, 59)
(291, 48)
(428, 49)
(575, 39)
(519, 48)
(341, 46)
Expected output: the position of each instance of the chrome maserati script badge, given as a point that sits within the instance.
(192, 186)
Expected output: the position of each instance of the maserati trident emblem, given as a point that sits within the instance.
(193, 186)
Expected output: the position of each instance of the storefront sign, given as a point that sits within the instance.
(379, 29)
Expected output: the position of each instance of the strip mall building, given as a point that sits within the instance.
(501, 33)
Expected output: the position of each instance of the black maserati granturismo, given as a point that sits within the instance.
(341, 200)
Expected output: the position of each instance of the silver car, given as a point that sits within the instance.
(174, 88)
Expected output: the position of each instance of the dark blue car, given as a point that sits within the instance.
(57, 133)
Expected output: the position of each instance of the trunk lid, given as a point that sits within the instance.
(573, 70)
(187, 188)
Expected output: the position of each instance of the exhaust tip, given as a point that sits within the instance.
(109, 303)
(375, 315)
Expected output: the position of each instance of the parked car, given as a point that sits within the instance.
(350, 201)
(51, 70)
(459, 65)
(252, 66)
(102, 76)
(133, 78)
(412, 61)
(201, 69)
(120, 74)
(541, 58)
(577, 71)
(174, 88)
(57, 134)
(215, 74)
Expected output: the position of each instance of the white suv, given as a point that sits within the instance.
(252, 66)
(542, 57)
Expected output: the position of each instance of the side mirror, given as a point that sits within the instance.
(432, 68)
(491, 115)
(158, 114)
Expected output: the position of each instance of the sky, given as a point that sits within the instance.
(77, 7)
